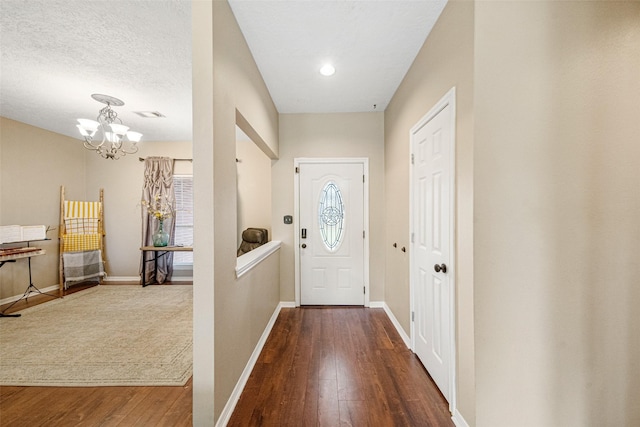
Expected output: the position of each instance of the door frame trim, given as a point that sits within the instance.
(449, 99)
(364, 161)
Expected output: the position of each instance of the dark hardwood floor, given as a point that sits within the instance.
(39, 298)
(338, 367)
(96, 406)
(319, 367)
(93, 406)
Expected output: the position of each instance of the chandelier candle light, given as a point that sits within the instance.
(113, 133)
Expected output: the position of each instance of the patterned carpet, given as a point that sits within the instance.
(103, 336)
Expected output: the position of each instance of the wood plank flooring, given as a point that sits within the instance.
(338, 367)
(319, 367)
(93, 406)
(39, 298)
(96, 406)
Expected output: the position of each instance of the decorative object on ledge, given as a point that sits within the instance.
(251, 239)
(113, 135)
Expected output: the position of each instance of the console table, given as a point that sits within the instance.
(158, 252)
(14, 254)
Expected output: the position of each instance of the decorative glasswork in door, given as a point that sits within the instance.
(331, 216)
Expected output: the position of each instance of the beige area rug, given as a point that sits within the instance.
(104, 336)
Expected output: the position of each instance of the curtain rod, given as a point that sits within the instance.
(177, 160)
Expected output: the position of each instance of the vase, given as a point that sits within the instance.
(160, 237)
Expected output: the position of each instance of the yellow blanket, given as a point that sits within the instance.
(80, 242)
(76, 209)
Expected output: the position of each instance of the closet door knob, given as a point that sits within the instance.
(304, 245)
(442, 267)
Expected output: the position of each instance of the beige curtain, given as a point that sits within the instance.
(158, 181)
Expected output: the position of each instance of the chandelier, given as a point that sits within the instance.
(112, 136)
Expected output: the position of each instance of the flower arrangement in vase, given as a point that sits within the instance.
(160, 208)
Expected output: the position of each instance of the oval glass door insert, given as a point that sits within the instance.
(331, 215)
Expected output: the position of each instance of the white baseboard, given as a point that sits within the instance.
(17, 297)
(122, 279)
(376, 304)
(392, 317)
(137, 279)
(459, 420)
(287, 304)
(227, 411)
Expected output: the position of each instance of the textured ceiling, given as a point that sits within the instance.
(56, 53)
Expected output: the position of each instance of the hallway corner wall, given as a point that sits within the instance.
(557, 198)
(445, 61)
(329, 135)
(230, 314)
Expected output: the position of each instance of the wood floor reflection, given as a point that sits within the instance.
(338, 367)
(319, 367)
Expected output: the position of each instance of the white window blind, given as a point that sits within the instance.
(183, 188)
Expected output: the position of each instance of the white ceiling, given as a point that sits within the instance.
(371, 44)
(56, 53)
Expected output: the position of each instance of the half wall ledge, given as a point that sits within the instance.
(249, 260)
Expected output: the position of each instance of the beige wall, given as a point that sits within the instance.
(329, 135)
(254, 188)
(54, 160)
(203, 250)
(557, 203)
(122, 181)
(35, 162)
(226, 80)
(445, 61)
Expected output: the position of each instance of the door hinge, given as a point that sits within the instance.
(363, 234)
(413, 316)
(413, 159)
(363, 178)
(364, 289)
(413, 237)
(297, 169)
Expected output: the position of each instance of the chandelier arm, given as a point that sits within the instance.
(116, 146)
(132, 150)
(88, 144)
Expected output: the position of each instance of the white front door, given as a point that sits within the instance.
(331, 233)
(431, 144)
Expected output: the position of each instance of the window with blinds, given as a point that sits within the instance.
(183, 188)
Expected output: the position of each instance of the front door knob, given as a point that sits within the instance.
(304, 245)
(442, 267)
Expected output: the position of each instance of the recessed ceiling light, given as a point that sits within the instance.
(327, 70)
